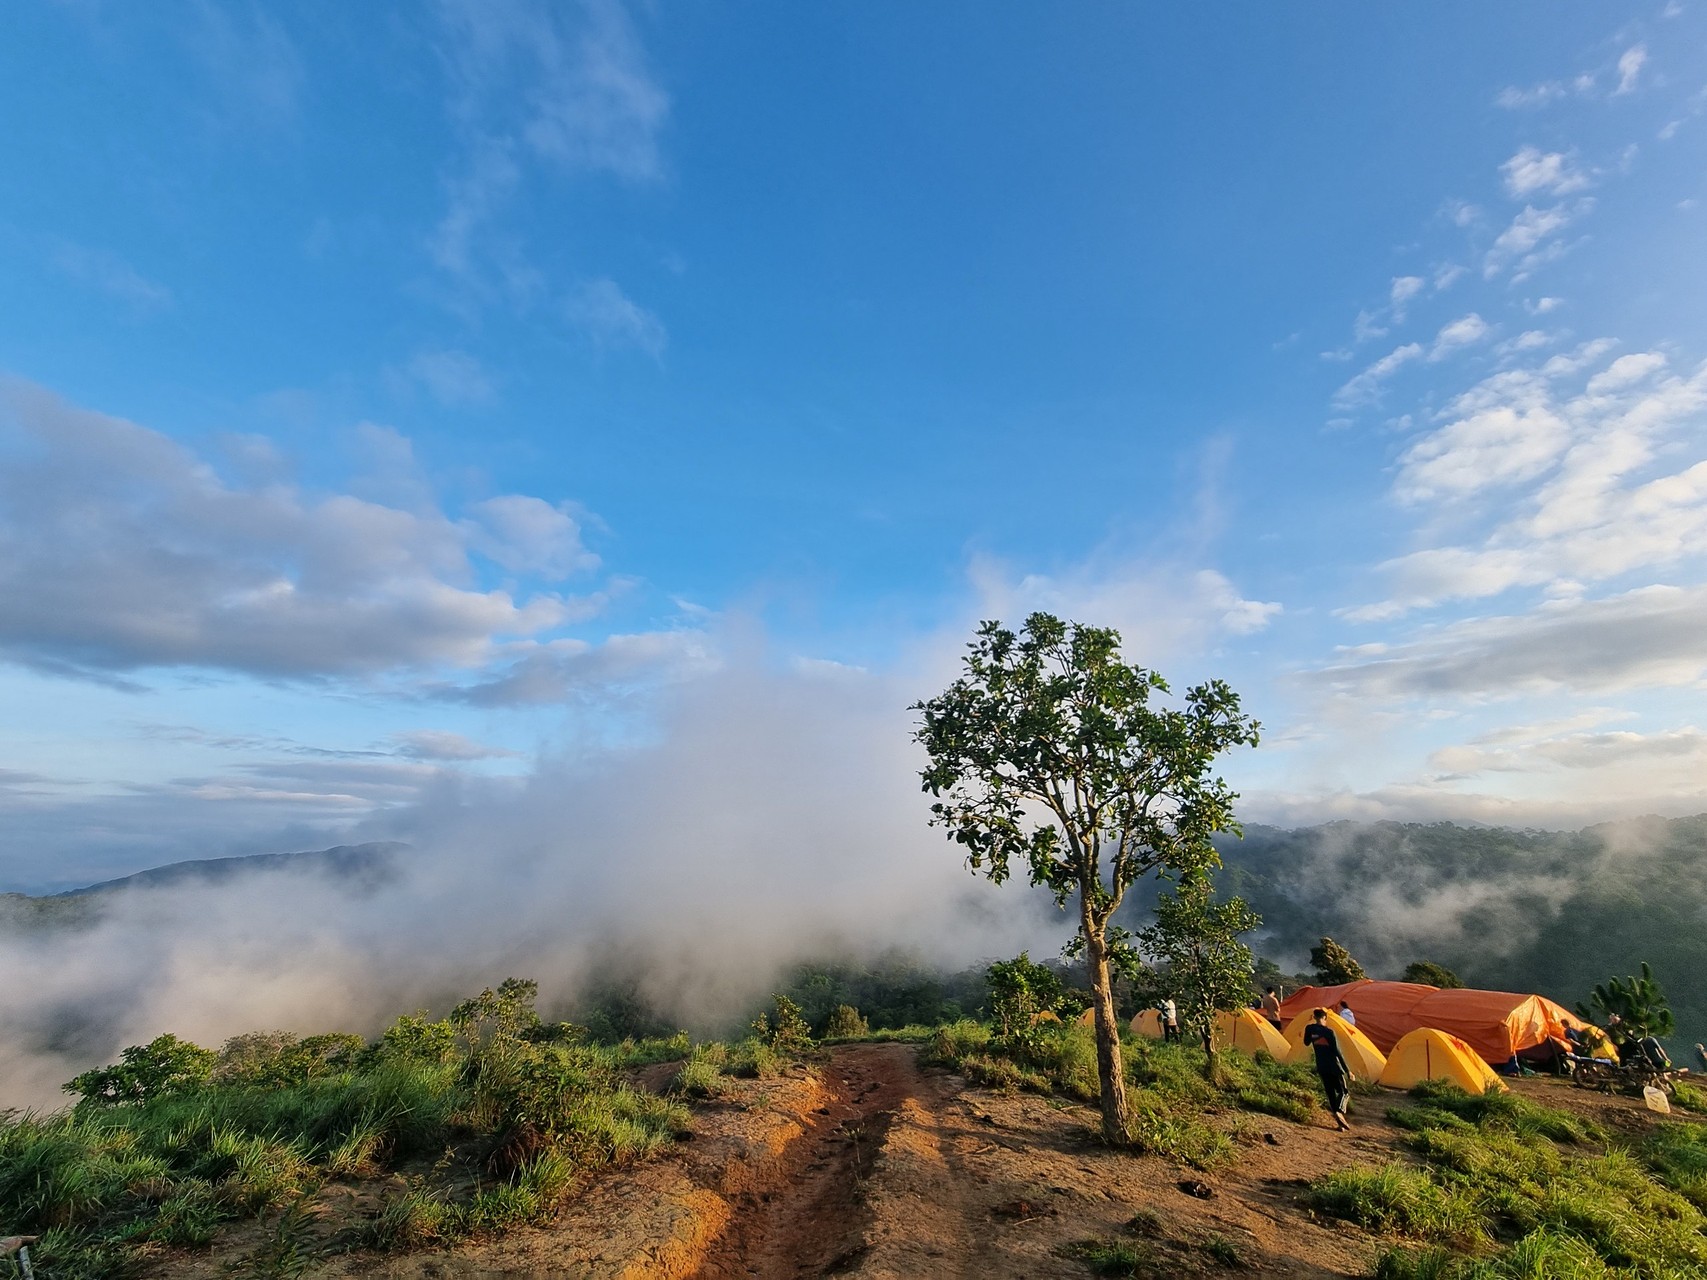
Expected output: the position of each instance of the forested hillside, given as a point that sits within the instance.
(1553, 912)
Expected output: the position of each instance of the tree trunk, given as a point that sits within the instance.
(1111, 1071)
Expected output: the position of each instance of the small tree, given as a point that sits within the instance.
(164, 1065)
(1432, 975)
(1019, 991)
(1334, 964)
(786, 1029)
(1639, 1003)
(1200, 960)
(845, 1023)
(1047, 750)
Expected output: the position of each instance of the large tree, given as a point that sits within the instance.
(1049, 751)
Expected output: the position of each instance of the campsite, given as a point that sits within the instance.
(692, 640)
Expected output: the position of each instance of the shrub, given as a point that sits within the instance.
(785, 1029)
(844, 1023)
(1108, 1257)
(164, 1065)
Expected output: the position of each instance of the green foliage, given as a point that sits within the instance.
(845, 1023)
(1048, 751)
(1430, 974)
(891, 992)
(1522, 1173)
(1334, 964)
(1109, 1257)
(163, 1066)
(1396, 1198)
(1630, 1008)
(1019, 990)
(415, 1037)
(174, 1140)
(784, 1029)
(1195, 942)
(1224, 1251)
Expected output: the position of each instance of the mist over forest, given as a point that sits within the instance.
(351, 935)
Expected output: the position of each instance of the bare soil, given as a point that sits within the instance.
(873, 1168)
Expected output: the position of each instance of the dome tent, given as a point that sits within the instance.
(1361, 1055)
(1427, 1054)
(1495, 1024)
(1248, 1031)
(1147, 1022)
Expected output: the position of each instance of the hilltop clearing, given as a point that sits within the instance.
(873, 1163)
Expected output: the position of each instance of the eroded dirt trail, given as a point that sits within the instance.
(814, 1217)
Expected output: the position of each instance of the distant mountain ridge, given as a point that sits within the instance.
(374, 861)
(363, 868)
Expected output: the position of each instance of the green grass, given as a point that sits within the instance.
(1517, 1191)
(516, 1108)
(1109, 1257)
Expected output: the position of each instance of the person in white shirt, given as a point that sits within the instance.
(1345, 1012)
(1170, 1020)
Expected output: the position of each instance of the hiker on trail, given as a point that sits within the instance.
(1170, 1020)
(1345, 1012)
(1271, 1007)
(1331, 1065)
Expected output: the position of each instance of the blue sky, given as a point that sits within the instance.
(397, 398)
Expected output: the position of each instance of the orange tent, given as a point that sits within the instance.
(1496, 1024)
(1088, 1018)
(1147, 1022)
(1248, 1031)
(1427, 1054)
(1365, 1060)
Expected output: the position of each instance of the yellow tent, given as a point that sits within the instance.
(1427, 1054)
(1087, 1019)
(1048, 1015)
(1361, 1055)
(1247, 1031)
(1147, 1022)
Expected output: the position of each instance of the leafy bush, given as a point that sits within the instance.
(174, 1139)
(845, 1023)
(164, 1065)
(785, 1029)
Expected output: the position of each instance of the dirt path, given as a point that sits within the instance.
(813, 1218)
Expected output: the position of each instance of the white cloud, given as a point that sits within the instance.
(1463, 332)
(1541, 306)
(1653, 636)
(1494, 447)
(529, 535)
(109, 274)
(1532, 172)
(608, 316)
(571, 82)
(442, 744)
(1404, 289)
(563, 86)
(121, 550)
(1617, 490)
(1365, 387)
(1630, 66)
(1521, 243)
(453, 378)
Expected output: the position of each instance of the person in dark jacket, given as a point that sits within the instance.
(1331, 1065)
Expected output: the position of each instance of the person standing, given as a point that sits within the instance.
(1170, 1020)
(1345, 1012)
(1331, 1066)
(1271, 1007)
